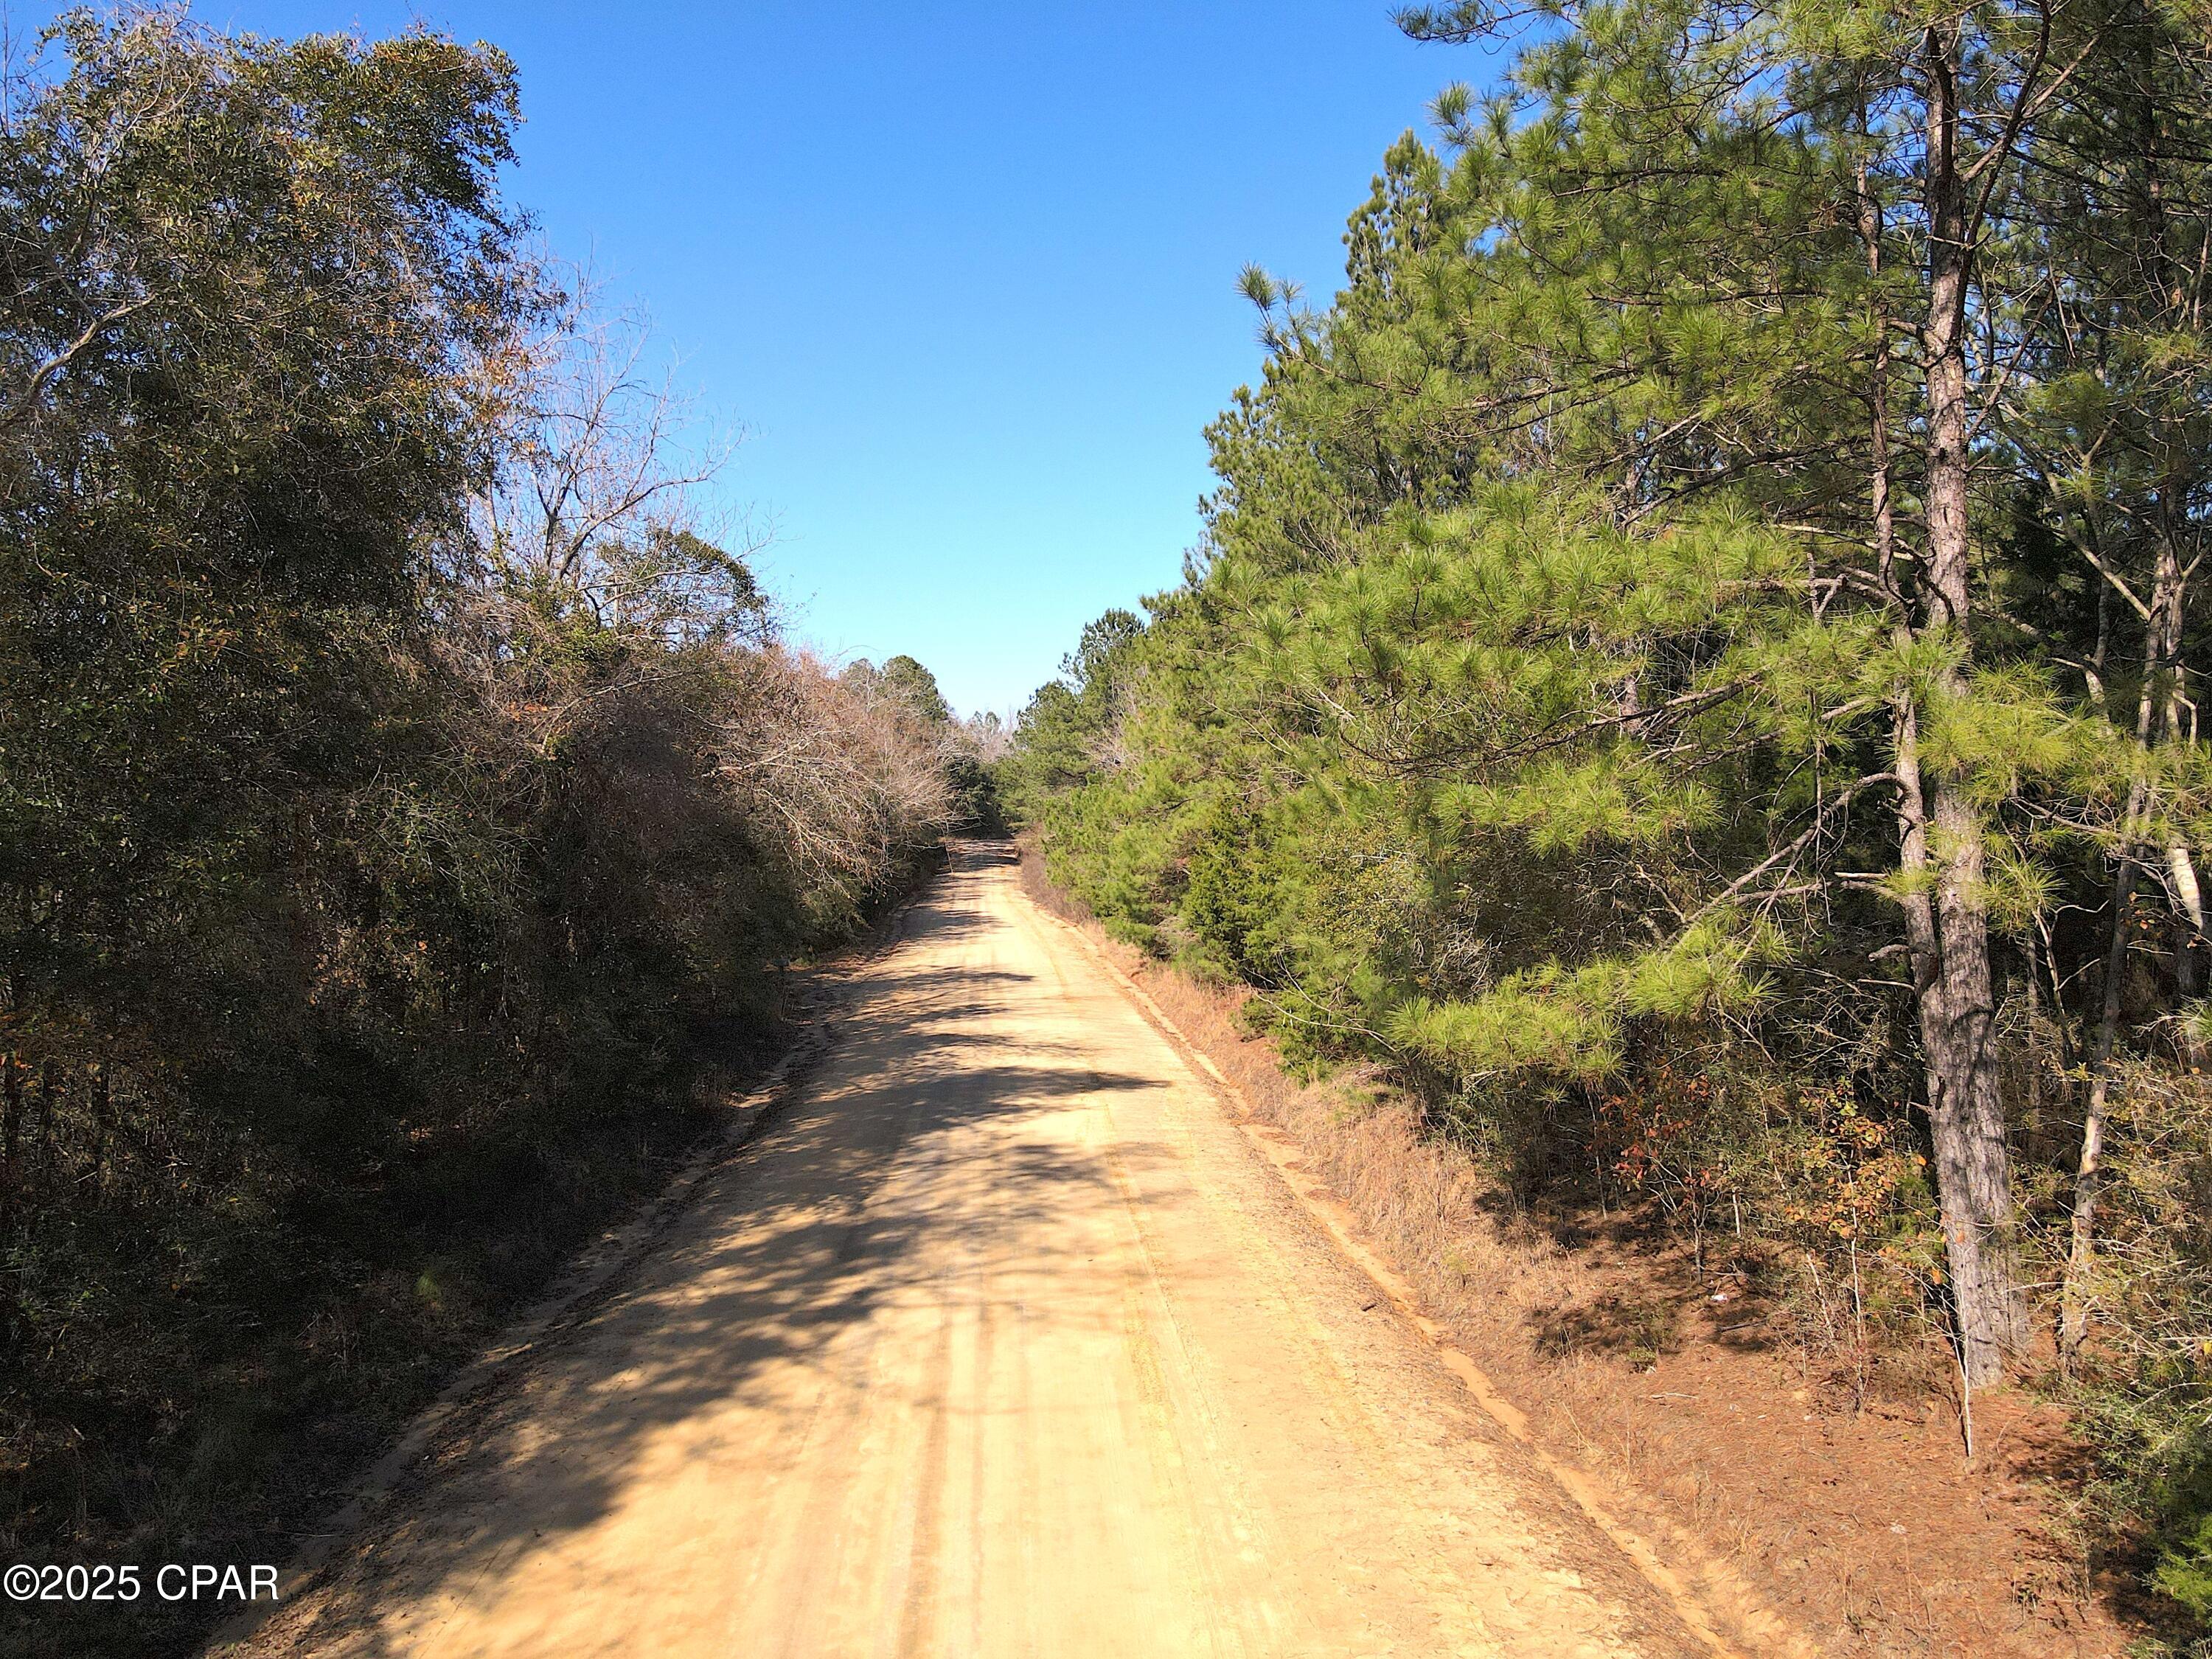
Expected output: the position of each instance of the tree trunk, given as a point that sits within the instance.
(2156, 717)
(1946, 933)
(2188, 896)
(1943, 833)
(49, 1082)
(1949, 939)
(2081, 1243)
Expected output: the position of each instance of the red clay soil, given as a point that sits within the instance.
(1851, 1510)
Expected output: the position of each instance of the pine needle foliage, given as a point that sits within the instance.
(1712, 597)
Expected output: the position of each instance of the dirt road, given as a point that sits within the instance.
(1003, 1339)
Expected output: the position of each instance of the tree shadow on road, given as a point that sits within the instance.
(909, 1143)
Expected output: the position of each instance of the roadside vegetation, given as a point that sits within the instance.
(409, 806)
(1691, 667)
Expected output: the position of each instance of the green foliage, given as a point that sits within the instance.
(1232, 896)
(2184, 1558)
(2145, 1401)
(1058, 739)
(1565, 702)
(908, 681)
(380, 864)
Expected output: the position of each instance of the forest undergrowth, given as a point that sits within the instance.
(1731, 1421)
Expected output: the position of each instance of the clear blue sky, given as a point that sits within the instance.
(965, 273)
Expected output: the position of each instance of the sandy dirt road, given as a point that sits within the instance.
(1002, 1340)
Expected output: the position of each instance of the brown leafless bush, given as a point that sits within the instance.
(852, 780)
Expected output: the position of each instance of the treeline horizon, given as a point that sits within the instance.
(404, 791)
(1691, 663)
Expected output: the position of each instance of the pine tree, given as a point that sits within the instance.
(1651, 581)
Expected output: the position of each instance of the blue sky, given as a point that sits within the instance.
(964, 273)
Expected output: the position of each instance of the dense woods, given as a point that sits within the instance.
(402, 785)
(1692, 662)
